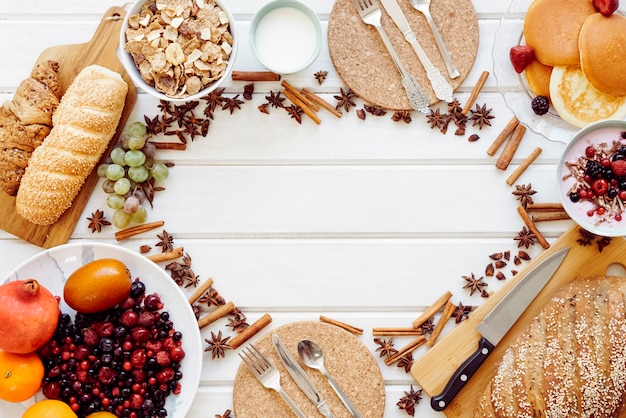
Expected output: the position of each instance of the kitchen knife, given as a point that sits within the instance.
(498, 322)
(443, 89)
(300, 377)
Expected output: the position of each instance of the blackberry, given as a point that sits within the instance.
(594, 169)
(540, 105)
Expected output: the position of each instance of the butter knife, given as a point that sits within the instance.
(300, 377)
(443, 89)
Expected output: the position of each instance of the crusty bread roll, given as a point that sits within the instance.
(601, 42)
(552, 27)
(570, 361)
(83, 124)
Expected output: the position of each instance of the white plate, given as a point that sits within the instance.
(513, 86)
(52, 267)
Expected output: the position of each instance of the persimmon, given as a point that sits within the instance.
(49, 408)
(20, 375)
(97, 285)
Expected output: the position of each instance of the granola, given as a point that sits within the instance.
(179, 46)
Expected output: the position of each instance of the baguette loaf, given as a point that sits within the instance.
(83, 124)
(570, 361)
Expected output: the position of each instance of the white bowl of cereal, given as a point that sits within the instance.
(178, 50)
(591, 178)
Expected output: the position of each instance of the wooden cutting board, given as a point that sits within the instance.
(433, 370)
(101, 50)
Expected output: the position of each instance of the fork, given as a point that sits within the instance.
(267, 374)
(423, 6)
(370, 13)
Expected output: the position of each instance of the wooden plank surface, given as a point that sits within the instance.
(101, 50)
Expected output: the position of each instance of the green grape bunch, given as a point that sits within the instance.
(130, 164)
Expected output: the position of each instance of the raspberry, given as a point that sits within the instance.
(540, 105)
(619, 167)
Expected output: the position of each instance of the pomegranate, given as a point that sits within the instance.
(29, 314)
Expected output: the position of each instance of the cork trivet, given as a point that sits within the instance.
(365, 66)
(346, 359)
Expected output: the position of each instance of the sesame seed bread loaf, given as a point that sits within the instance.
(570, 361)
(83, 124)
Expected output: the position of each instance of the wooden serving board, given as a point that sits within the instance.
(433, 370)
(101, 50)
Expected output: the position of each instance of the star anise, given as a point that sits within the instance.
(524, 194)
(248, 90)
(481, 116)
(461, 312)
(217, 345)
(295, 112)
(374, 110)
(152, 125)
(232, 103)
(238, 321)
(165, 106)
(182, 273)
(97, 221)
(179, 113)
(402, 115)
(345, 99)
(212, 297)
(386, 347)
(586, 237)
(197, 310)
(275, 99)
(525, 238)
(455, 106)
(436, 119)
(474, 284)
(166, 242)
(406, 362)
(263, 108)
(428, 326)
(214, 100)
(409, 400)
(603, 242)
(226, 414)
(320, 76)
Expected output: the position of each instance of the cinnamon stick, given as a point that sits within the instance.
(511, 147)
(395, 331)
(549, 216)
(168, 255)
(544, 207)
(502, 136)
(347, 327)
(533, 228)
(200, 290)
(249, 332)
(523, 166)
(321, 102)
(219, 312)
(176, 146)
(306, 109)
(432, 309)
(255, 76)
(475, 91)
(448, 311)
(136, 230)
(410, 347)
(299, 95)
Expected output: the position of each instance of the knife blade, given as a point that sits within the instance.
(497, 323)
(300, 377)
(443, 89)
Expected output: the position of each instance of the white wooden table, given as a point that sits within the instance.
(367, 222)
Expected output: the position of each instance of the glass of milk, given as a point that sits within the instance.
(285, 36)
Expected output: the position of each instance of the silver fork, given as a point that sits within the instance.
(423, 6)
(370, 12)
(267, 374)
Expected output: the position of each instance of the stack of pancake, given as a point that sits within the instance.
(579, 61)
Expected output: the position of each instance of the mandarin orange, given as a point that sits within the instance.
(49, 408)
(20, 375)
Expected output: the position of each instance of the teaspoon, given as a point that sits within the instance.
(311, 354)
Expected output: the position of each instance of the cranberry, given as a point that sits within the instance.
(129, 319)
(590, 151)
(138, 358)
(106, 375)
(177, 353)
(152, 302)
(600, 186)
(51, 390)
(140, 334)
(105, 328)
(165, 375)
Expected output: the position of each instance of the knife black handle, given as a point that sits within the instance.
(462, 375)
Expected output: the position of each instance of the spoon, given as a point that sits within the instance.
(311, 354)
(423, 6)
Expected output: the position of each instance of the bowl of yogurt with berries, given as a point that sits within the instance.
(592, 178)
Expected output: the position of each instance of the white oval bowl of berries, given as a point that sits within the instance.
(167, 384)
(592, 178)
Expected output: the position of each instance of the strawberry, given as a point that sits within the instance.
(619, 167)
(606, 7)
(521, 56)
